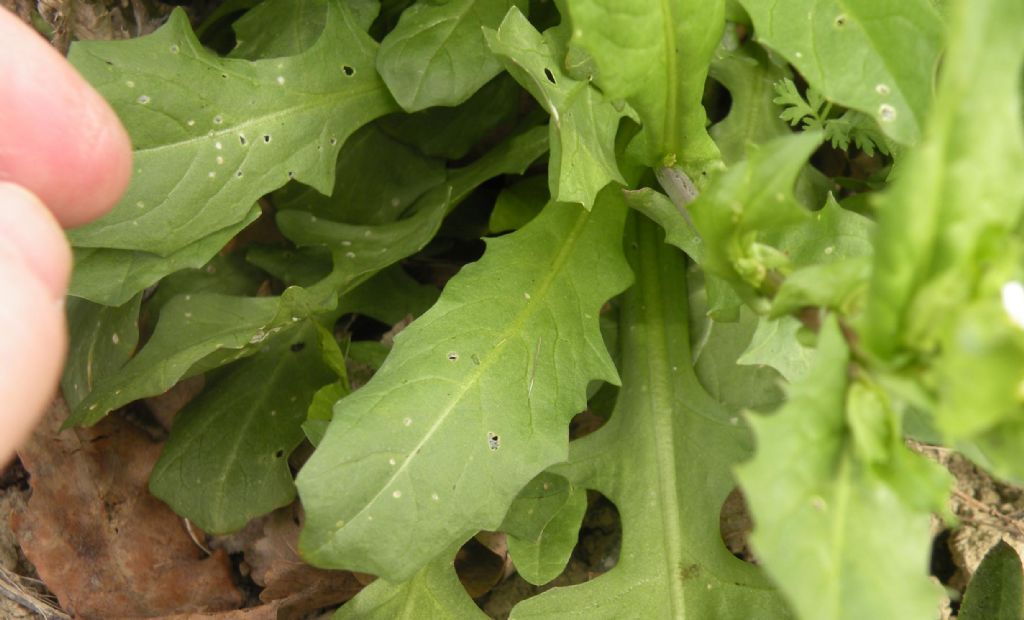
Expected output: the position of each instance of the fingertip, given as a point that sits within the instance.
(30, 236)
(33, 343)
(58, 137)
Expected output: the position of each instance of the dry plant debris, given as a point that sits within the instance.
(99, 540)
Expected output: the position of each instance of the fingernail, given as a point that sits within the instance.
(31, 238)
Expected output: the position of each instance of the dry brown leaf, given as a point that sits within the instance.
(274, 563)
(99, 540)
(263, 612)
(167, 405)
(479, 568)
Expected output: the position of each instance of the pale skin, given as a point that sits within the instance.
(65, 159)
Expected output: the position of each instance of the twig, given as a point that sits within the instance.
(990, 511)
(10, 588)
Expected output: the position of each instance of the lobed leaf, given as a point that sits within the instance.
(664, 459)
(583, 126)
(212, 135)
(825, 515)
(377, 179)
(361, 251)
(775, 344)
(744, 205)
(433, 592)
(655, 55)
(749, 75)
(473, 401)
(111, 277)
(196, 333)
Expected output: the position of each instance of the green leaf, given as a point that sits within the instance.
(748, 202)
(978, 382)
(465, 125)
(749, 75)
(102, 339)
(433, 592)
(294, 267)
(275, 28)
(833, 234)
(518, 204)
(377, 180)
(655, 55)
(874, 56)
(196, 333)
(201, 161)
(996, 591)
(361, 251)
(226, 460)
(543, 526)
(664, 459)
(513, 156)
(719, 366)
(679, 230)
(960, 195)
(583, 125)
(389, 296)
(111, 277)
(436, 55)
(473, 401)
(775, 344)
(226, 274)
(829, 285)
(840, 535)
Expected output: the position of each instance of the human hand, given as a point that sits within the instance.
(64, 160)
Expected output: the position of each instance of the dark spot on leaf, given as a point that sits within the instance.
(549, 75)
(279, 454)
(688, 572)
(349, 71)
(266, 138)
(242, 140)
(453, 356)
(224, 75)
(298, 346)
(238, 174)
(493, 441)
(840, 21)
(291, 174)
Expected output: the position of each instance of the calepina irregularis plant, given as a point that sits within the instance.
(760, 319)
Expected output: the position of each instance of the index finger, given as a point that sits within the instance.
(58, 137)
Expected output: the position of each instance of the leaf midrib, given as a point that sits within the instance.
(662, 409)
(671, 70)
